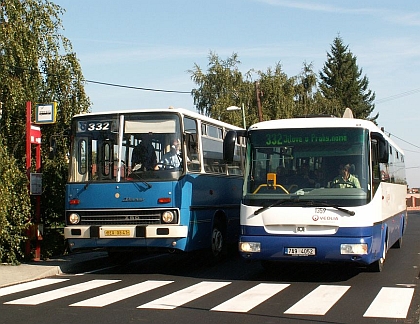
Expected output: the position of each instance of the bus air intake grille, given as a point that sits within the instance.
(120, 217)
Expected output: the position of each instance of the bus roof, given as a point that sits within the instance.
(181, 111)
(322, 122)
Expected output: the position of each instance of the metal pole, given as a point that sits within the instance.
(38, 235)
(258, 94)
(243, 115)
(28, 169)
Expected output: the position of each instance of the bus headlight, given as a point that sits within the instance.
(249, 246)
(74, 218)
(168, 217)
(361, 248)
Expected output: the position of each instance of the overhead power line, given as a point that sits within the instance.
(397, 96)
(137, 88)
(393, 97)
(389, 134)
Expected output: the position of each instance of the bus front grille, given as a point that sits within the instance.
(120, 217)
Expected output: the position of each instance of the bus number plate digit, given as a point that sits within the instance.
(117, 233)
(300, 251)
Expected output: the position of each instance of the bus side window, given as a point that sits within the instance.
(212, 140)
(376, 173)
(193, 157)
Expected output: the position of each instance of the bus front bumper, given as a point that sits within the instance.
(125, 232)
(128, 236)
(308, 249)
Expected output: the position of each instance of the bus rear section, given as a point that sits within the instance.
(321, 190)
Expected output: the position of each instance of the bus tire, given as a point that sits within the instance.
(217, 247)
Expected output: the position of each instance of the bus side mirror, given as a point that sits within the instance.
(383, 152)
(383, 147)
(229, 146)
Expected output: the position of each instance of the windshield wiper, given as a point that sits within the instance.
(138, 176)
(349, 212)
(295, 199)
(84, 188)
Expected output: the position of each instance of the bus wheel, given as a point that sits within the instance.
(217, 241)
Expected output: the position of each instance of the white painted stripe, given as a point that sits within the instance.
(184, 296)
(391, 303)
(61, 292)
(319, 301)
(28, 285)
(121, 294)
(251, 298)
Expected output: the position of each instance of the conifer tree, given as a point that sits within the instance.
(342, 84)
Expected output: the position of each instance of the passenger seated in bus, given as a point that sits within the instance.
(172, 158)
(301, 178)
(144, 155)
(345, 179)
(306, 180)
(281, 173)
(319, 178)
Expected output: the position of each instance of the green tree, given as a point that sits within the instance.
(342, 84)
(306, 91)
(223, 85)
(14, 208)
(37, 64)
(219, 87)
(278, 92)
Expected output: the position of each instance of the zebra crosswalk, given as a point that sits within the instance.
(250, 298)
(390, 302)
(310, 305)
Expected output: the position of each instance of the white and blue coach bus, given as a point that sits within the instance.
(124, 193)
(297, 205)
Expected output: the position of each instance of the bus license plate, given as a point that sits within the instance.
(117, 233)
(301, 251)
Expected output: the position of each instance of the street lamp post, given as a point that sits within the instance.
(232, 108)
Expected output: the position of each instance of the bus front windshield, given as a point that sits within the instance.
(312, 165)
(126, 147)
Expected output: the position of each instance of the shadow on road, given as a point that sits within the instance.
(232, 267)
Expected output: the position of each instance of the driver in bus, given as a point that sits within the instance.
(345, 179)
(172, 158)
(144, 155)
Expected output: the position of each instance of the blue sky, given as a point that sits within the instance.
(152, 44)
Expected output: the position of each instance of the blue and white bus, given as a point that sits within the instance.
(294, 206)
(119, 199)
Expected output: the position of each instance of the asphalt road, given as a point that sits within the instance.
(186, 289)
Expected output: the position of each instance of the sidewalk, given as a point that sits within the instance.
(72, 263)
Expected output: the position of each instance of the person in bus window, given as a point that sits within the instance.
(345, 179)
(281, 175)
(172, 158)
(144, 155)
